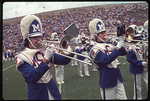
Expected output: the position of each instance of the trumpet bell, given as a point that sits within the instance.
(130, 31)
(65, 44)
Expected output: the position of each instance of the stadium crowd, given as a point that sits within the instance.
(57, 22)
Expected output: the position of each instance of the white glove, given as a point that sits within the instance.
(144, 64)
(120, 44)
(74, 41)
(49, 53)
(114, 41)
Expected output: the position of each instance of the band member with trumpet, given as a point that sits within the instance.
(138, 66)
(59, 69)
(104, 56)
(33, 61)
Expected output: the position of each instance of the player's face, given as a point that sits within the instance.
(36, 41)
(102, 35)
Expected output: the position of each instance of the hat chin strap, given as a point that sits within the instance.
(100, 38)
(31, 42)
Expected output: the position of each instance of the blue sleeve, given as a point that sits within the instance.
(61, 60)
(122, 51)
(131, 58)
(79, 51)
(78, 56)
(107, 59)
(32, 74)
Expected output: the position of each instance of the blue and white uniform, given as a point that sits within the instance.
(8, 54)
(110, 79)
(135, 58)
(37, 74)
(81, 50)
(5, 55)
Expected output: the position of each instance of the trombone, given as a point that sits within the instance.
(66, 48)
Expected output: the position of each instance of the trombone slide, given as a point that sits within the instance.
(73, 53)
(65, 40)
(75, 59)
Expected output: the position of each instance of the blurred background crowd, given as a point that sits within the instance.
(57, 22)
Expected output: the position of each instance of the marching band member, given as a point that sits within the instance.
(33, 61)
(135, 58)
(5, 55)
(104, 56)
(81, 49)
(9, 54)
(12, 54)
(59, 69)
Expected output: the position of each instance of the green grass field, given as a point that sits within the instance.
(81, 88)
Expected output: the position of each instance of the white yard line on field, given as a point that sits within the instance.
(8, 67)
(124, 63)
(122, 56)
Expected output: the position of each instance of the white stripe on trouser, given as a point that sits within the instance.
(49, 95)
(117, 92)
(137, 84)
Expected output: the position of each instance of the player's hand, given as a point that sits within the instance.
(49, 53)
(120, 44)
(144, 64)
(114, 41)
